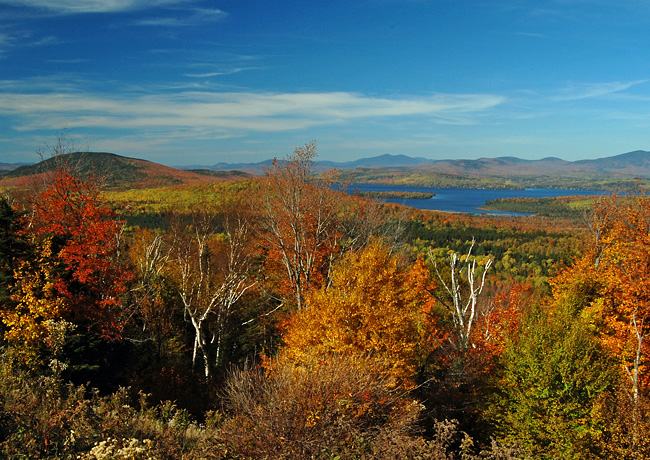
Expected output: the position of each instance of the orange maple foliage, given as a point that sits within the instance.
(612, 282)
(500, 320)
(374, 306)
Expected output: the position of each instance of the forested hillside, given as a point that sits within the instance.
(441, 178)
(114, 171)
(276, 317)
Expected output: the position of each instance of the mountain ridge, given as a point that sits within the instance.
(630, 164)
(120, 171)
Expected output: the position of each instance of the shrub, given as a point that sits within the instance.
(42, 417)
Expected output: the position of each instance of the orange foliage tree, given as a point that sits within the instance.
(73, 213)
(374, 306)
(621, 262)
(499, 321)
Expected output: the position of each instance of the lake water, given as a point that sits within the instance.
(466, 200)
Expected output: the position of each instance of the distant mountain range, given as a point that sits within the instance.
(11, 166)
(382, 161)
(632, 164)
(119, 171)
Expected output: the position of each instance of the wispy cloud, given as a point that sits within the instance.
(11, 39)
(211, 63)
(592, 90)
(214, 113)
(530, 34)
(191, 17)
(90, 6)
(49, 40)
(220, 72)
(6, 41)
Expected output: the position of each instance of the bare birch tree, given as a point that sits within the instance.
(463, 287)
(299, 219)
(212, 276)
(152, 257)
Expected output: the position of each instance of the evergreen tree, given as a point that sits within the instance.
(556, 376)
(13, 247)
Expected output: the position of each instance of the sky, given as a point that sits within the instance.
(192, 82)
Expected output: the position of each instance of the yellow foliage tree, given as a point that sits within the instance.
(37, 301)
(374, 306)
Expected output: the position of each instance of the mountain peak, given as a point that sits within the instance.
(115, 170)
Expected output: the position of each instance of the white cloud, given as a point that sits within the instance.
(591, 90)
(43, 41)
(214, 113)
(195, 16)
(90, 6)
(220, 72)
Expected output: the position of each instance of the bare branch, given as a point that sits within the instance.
(463, 306)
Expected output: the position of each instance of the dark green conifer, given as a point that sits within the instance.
(13, 247)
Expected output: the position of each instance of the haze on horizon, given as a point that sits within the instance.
(202, 82)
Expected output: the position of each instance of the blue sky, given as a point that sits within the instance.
(201, 82)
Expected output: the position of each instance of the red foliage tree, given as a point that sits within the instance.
(86, 236)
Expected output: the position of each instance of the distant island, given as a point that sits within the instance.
(397, 195)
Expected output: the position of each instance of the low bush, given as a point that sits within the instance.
(42, 417)
(340, 407)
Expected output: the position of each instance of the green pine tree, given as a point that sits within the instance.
(13, 247)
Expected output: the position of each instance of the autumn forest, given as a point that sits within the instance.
(278, 317)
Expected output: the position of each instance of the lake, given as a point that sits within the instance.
(466, 200)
